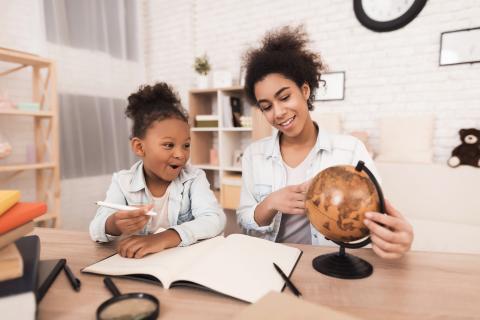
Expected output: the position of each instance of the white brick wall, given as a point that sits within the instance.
(387, 73)
(170, 52)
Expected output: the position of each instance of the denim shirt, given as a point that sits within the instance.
(263, 172)
(193, 210)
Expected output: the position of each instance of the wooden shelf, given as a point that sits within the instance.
(23, 167)
(206, 166)
(25, 58)
(204, 129)
(45, 128)
(233, 89)
(46, 216)
(26, 113)
(236, 169)
(227, 140)
(214, 90)
(236, 129)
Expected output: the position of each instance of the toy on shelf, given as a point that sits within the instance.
(5, 101)
(5, 147)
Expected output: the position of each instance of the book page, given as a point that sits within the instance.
(242, 267)
(163, 265)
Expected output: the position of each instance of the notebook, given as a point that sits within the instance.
(238, 266)
(280, 306)
(15, 234)
(17, 296)
(7, 199)
(21, 213)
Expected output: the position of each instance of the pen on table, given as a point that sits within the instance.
(74, 281)
(288, 282)
(122, 207)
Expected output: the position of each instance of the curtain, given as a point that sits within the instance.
(98, 53)
(94, 136)
(107, 25)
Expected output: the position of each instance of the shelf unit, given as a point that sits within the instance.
(46, 131)
(224, 177)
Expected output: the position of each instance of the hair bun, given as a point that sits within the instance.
(152, 98)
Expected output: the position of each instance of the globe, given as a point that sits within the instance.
(337, 201)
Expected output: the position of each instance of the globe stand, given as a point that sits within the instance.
(342, 265)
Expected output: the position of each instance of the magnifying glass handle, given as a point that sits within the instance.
(111, 286)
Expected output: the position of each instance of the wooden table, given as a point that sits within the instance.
(422, 285)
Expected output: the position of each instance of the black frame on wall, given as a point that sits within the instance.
(441, 47)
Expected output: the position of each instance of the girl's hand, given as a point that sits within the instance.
(127, 222)
(289, 200)
(391, 233)
(140, 246)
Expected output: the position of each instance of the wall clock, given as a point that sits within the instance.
(386, 15)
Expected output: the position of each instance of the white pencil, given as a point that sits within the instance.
(122, 207)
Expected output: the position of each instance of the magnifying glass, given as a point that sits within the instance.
(129, 306)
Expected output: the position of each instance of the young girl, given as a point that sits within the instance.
(281, 78)
(162, 180)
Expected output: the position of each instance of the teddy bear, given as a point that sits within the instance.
(467, 153)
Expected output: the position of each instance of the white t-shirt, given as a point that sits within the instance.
(295, 228)
(160, 206)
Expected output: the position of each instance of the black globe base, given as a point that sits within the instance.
(342, 265)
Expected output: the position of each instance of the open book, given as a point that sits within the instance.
(239, 266)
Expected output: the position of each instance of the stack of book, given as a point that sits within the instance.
(18, 254)
(206, 121)
(246, 121)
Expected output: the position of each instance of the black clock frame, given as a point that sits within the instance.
(385, 26)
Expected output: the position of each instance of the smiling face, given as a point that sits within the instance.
(165, 149)
(283, 103)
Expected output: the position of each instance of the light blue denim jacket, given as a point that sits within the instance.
(263, 172)
(193, 210)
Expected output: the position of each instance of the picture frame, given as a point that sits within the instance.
(459, 47)
(331, 86)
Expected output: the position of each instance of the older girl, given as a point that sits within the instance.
(281, 78)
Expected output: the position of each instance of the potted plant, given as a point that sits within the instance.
(202, 67)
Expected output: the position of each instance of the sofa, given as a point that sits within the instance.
(442, 203)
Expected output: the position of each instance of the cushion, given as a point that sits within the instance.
(363, 136)
(331, 122)
(406, 139)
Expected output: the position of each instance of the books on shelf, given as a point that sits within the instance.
(7, 199)
(206, 121)
(28, 106)
(227, 114)
(238, 266)
(246, 121)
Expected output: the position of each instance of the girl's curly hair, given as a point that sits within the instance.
(153, 103)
